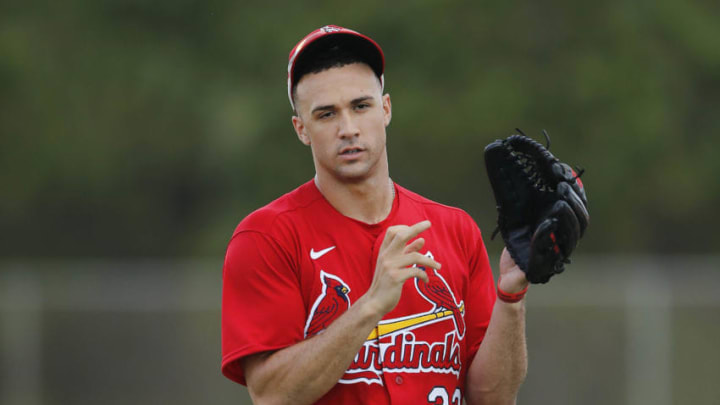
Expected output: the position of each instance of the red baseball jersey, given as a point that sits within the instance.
(297, 264)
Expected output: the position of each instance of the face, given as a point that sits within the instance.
(342, 116)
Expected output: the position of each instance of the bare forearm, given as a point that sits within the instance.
(500, 365)
(304, 372)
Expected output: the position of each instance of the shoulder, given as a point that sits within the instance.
(448, 215)
(281, 212)
(454, 224)
(274, 227)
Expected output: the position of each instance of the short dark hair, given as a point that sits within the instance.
(331, 52)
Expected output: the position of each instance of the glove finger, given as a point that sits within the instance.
(576, 203)
(579, 188)
(560, 234)
(567, 231)
(545, 253)
(563, 172)
(552, 243)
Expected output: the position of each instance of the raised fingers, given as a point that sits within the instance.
(417, 272)
(415, 230)
(414, 246)
(398, 236)
(417, 259)
(406, 234)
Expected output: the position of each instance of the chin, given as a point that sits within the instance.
(352, 175)
(351, 178)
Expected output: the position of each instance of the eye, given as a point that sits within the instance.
(362, 106)
(326, 114)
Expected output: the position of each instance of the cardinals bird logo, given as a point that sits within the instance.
(438, 292)
(329, 305)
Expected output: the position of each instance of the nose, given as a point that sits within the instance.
(347, 126)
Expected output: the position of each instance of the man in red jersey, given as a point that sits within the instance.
(352, 289)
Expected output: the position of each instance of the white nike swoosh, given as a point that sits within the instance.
(316, 255)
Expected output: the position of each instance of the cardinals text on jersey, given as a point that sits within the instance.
(393, 346)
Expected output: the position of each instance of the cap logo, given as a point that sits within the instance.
(329, 29)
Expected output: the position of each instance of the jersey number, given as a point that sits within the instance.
(440, 396)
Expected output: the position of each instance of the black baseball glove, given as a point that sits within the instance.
(541, 203)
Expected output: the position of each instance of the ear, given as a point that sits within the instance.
(387, 109)
(299, 126)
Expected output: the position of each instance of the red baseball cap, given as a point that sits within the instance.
(332, 35)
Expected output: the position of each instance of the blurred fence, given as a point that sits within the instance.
(613, 330)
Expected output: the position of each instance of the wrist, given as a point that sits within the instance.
(509, 297)
(370, 309)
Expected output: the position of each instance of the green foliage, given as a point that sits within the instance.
(132, 128)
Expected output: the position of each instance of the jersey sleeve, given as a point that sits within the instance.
(262, 305)
(481, 294)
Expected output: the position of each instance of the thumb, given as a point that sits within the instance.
(512, 278)
(506, 262)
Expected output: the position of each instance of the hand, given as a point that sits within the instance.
(512, 278)
(395, 265)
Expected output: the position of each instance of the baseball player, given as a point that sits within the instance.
(352, 289)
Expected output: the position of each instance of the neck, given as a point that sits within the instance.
(369, 201)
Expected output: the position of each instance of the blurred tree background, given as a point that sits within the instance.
(135, 128)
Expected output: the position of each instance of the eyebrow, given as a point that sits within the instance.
(322, 107)
(332, 106)
(360, 99)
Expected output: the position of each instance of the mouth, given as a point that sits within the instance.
(351, 151)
